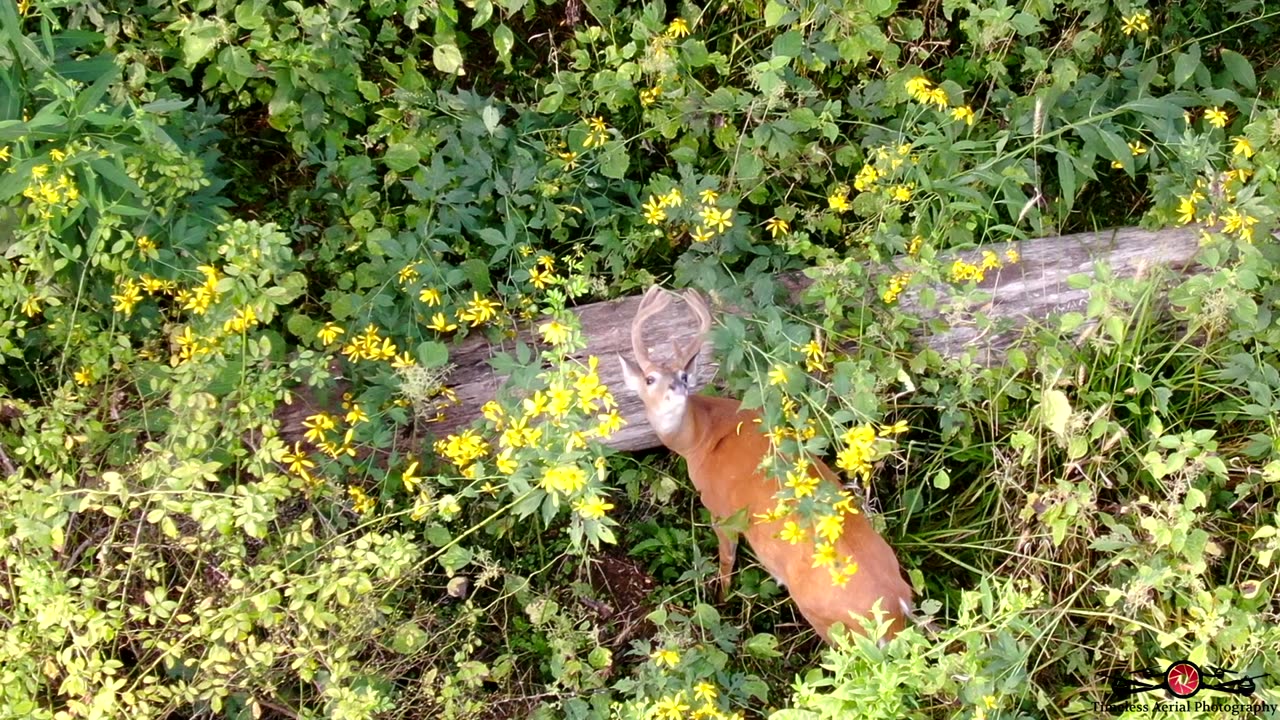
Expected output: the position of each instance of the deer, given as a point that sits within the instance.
(723, 448)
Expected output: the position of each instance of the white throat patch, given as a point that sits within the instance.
(666, 418)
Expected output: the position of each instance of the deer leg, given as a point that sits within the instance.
(728, 553)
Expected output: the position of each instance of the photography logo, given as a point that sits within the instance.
(1184, 680)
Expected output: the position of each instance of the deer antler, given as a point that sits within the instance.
(693, 299)
(655, 300)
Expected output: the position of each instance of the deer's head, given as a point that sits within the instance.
(664, 388)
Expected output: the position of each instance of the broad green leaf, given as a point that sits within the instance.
(1239, 68)
(614, 161)
(1185, 65)
(1055, 411)
(401, 156)
(484, 11)
(492, 118)
(199, 38)
(773, 13)
(455, 558)
(503, 41)
(433, 354)
(1066, 180)
(477, 272)
(448, 59)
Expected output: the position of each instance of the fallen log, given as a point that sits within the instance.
(1034, 288)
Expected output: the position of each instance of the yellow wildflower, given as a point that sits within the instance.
(610, 423)
(128, 297)
(718, 220)
(708, 196)
(555, 333)
(678, 28)
(564, 479)
(653, 212)
(918, 88)
(430, 296)
(665, 656)
(1243, 148)
(777, 226)
(814, 356)
(1216, 117)
(592, 508)
(964, 113)
(792, 532)
(329, 333)
(297, 460)
(407, 274)
(701, 234)
(866, 178)
(830, 527)
(478, 310)
(1138, 22)
(439, 324)
(670, 708)
(839, 201)
(778, 375)
(824, 555)
(1234, 221)
(360, 502)
(597, 132)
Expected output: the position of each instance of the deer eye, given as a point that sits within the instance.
(684, 377)
(650, 380)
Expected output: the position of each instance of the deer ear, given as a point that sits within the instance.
(632, 375)
(691, 367)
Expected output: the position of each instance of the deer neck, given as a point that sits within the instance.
(689, 436)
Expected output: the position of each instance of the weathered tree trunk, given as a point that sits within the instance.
(1032, 289)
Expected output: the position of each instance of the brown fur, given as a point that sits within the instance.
(723, 446)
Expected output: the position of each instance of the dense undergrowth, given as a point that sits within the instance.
(208, 206)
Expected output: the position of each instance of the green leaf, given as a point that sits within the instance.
(161, 107)
(762, 646)
(448, 59)
(199, 38)
(107, 169)
(706, 616)
(788, 44)
(492, 118)
(455, 558)
(1239, 68)
(484, 11)
(503, 41)
(1185, 65)
(433, 354)
(773, 13)
(1055, 411)
(614, 161)
(1066, 180)
(401, 156)
(1117, 148)
(477, 272)
(409, 638)
(249, 16)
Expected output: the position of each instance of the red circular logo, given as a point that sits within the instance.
(1183, 679)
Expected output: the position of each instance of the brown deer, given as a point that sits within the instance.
(723, 447)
